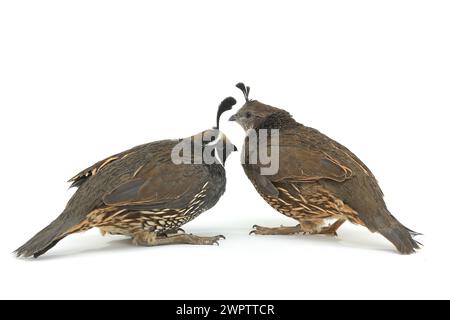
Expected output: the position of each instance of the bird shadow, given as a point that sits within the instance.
(351, 240)
(348, 238)
(122, 244)
(116, 245)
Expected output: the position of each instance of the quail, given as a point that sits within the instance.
(144, 194)
(318, 179)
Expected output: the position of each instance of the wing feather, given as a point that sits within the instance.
(166, 186)
(81, 177)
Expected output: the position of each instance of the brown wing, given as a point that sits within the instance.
(315, 140)
(297, 163)
(167, 186)
(81, 177)
(303, 165)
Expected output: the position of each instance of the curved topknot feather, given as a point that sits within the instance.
(225, 105)
(245, 90)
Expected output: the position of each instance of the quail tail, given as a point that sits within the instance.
(400, 236)
(45, 239)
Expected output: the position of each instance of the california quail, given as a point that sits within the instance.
(318, 179)
(143, 194)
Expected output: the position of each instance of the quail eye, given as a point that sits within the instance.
(248, 115)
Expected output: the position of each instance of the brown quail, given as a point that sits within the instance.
(318, 179)
(143, 194)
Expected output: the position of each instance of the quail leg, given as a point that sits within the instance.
(306, 227)
(276, 231)
(332, 229)
(173, 232)
(151, 239)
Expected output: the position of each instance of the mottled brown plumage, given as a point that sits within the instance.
(143, 194)
(318, 179)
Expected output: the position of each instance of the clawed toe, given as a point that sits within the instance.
(256, 230)
(213, 240)
(207, 240)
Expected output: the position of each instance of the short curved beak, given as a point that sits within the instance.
(233, 118)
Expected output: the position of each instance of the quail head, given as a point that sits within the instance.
(146, 193)
(317, 179)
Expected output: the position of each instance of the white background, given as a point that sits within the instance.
(82, 80)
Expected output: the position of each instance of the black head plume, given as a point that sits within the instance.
(245, 90)
(225, 105)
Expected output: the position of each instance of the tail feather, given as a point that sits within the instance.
(45, 239)
(400, 236)
(51, 245)
(414, 233)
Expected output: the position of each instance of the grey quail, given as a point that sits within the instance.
(318, 179)
(143, 194)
